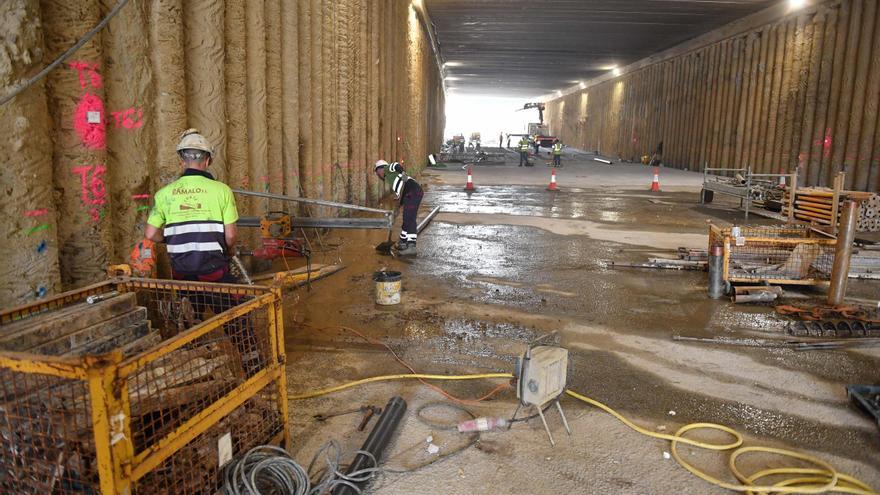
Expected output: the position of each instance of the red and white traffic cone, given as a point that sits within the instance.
(655, 186)
(552, 186)
(470, 182)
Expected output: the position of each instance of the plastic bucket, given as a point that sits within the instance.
(387, 288)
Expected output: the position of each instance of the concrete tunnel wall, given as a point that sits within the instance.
(773, 91)
(298, 96)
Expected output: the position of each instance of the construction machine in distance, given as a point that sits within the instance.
(539, 129)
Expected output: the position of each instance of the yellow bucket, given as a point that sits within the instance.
(387, 288)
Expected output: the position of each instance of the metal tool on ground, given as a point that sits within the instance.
(752, 294)
(866, 396)
(541, 375)
(370, 454)
(385, 247)
(368, 411)
(843, 253)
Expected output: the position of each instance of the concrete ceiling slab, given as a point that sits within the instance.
(534, 47)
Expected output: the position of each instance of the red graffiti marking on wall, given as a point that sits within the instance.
(93, 191)
(36, 213)
(93, 135)
(87, 69)
(140, 196)
(124, 118)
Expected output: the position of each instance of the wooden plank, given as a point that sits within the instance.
(80, 337)
(37, 330)
(111, 341)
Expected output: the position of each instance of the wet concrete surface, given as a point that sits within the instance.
(479, 292)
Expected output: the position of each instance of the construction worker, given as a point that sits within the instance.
(197, 215)
(557, 153)
(524, 151)
(409, 193)
(537, 145)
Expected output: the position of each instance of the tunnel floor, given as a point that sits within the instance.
(512, 262)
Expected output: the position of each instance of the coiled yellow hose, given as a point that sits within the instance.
(823, 479)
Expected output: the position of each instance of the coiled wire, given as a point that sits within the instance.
(331, 476)
(265, 470)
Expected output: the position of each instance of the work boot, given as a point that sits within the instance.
(401, 244)
(408, 250)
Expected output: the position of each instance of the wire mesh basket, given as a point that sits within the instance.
(118, 387)
(776, 255)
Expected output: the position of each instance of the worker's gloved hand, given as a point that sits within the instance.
(143, 258)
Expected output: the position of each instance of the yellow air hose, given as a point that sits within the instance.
(823, 479)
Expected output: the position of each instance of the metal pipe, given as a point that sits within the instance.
(843, 252)
(375, 444)
(424, 223)
(318, 202)
(756, 296)
(716, 272)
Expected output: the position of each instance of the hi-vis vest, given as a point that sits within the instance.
(524, 145)
(557, 149)
(193, 211)
(396, 177)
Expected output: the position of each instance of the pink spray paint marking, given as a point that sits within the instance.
(87, 69)
(36, 213)
(124, 118)
(93, 191)
(140, 196)
(93, 136)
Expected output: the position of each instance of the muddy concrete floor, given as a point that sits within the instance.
(513, 262)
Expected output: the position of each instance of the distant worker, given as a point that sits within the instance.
(537, 145)
(524, 152)
(197, 215)
(557, 153)
(501, 140)
(508, 141)
(409, 193)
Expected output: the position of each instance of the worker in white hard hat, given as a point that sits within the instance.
(195, 217)
(409, 193)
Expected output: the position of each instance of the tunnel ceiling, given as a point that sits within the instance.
(533, 47)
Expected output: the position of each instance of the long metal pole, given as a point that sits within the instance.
(318, 202)
(843, 253)
(425, 221)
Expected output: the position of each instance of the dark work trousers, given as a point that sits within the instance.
(523, 158)
(240, 330)
(557, 160)
(537, 148)
(409, 202)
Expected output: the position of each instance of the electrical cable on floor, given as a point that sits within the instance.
(64, 56)
(332, 476)
(263, 470)
(824, 479)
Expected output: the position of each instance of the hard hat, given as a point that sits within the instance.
(380, 164)
(192, 140)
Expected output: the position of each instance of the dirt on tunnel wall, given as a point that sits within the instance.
(798, 92)
(299, 97)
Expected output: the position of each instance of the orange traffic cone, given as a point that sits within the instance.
(552, 186)
(470, 182)
(655, 186)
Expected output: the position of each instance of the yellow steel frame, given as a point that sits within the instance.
(726, 238)
(118, 465)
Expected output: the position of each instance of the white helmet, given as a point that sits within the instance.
(192, 140)
(380, 164)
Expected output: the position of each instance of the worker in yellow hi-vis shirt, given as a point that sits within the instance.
(197, 216)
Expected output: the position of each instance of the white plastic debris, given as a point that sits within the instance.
(433, 449)
(672, 413)
(430, 439)
(667, 455)
(661, 428)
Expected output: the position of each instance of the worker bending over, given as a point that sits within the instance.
(524, 151)
(557, 153)
(409, 193)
